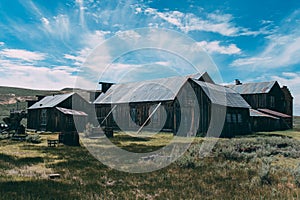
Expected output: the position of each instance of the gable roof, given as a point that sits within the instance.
(221, 95)
(164, 89)
(71, 112)
(202, 77)
(51, 101)
(253, 88)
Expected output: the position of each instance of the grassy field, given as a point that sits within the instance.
(260, 167)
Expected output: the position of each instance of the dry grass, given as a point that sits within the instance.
(226, 174)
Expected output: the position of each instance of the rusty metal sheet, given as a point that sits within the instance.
(256, 113)
(71, 112)
(275, 113)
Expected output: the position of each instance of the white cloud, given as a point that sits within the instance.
(93, 39)
(57, 26)
(251, 61)
(81, 11)
(89, 41)
(45, 21)
(36, 77)
(282, 49)
(128, 35)
(2, 44)
(21, 54)
(138, 10)
(212, 22)
(80, 56)
(215, 47)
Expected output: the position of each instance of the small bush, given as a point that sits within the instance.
(296, 175)
(36, 139)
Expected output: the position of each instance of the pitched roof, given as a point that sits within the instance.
(51, 101)
(202, 77)
(253, 88)
(275, 113)
(221, 95)
(144, 91)
(71, 112)
(256, 113)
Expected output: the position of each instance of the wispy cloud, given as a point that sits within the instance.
(21, 54)
(189, 22)
(282, 50)
(215, 47)
(81, 11)
(2, 44)
(89, 41)
(209, 22)
(45, 21)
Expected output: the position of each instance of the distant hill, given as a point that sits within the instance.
(15, 98)
(24, 91)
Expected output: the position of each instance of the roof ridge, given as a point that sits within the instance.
(251, 83)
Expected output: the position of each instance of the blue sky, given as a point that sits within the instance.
(44, 43)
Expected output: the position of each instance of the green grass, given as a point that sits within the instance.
(228, 173)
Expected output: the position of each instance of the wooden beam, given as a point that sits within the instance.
(108, 114)
(148, 118)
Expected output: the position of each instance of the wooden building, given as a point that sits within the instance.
(288, 101)
(57, 113)
(182, 105)
(269, 96)
(263, 122)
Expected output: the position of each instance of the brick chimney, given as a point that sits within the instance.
(238, 82)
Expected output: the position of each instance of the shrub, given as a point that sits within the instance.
(36, 139)
(296, 175)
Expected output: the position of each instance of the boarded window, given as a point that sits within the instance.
(228, 118)
(239, 118)
(43, 117)
(234, 120)
(272, 101)
(133, 114)
(155, 116)
(70, 120)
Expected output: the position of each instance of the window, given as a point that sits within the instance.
(44, 117)
(228, 117)
(239, 118)
(70, 120)
(234, 118)
(272, 101)
(155, 116)
(133, 114)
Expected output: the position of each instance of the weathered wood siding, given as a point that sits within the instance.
(56, 121)
(191, 112)
(274, 100)
(264, 124)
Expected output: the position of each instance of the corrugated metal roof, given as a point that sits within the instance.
(274, 113)
(253, 88)
(71, 112)
(202, 77)
(50, 101)
(222, 95)
(256, 113)
(144, 91)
